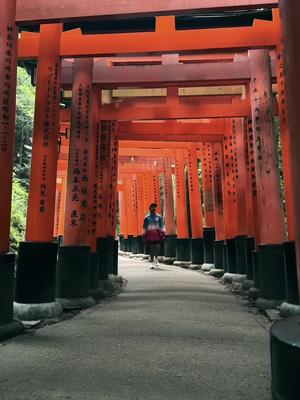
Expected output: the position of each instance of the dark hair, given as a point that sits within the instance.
(153, 205)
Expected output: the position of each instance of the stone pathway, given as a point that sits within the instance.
(171, 334)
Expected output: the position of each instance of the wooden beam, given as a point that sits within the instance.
(225, 73)
(29, 11)
(165, 39)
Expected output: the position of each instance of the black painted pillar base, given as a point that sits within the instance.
(115, 258)
(134, 247)
(197, 253)
(140, 245)
(8, 326)
(225, 257)
(121, 241)
(218, 270)
(104, 248)
(170, 249)
(36, 281)
(230, 256)
(160, 257)
(285, 359)
(291, 306)
(255, 291)
(209, 236)
(73, 277)
(94, 290)
(241, 254)
(250, 249)
(129, 243)
(183, 253)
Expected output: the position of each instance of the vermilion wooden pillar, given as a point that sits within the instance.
(207, 184)
(57, 205)
(8, 77)
(197, 250)
(230, 199)
(291, 36)
(74, 257)
(134, 207)
(76, 216)
(272, 232)
(140, 204)
(61, 214)
(168, 198)
(218, 180)
(8, 68)
(285, 143)
(183, 254)
(156, 188)
(94, 168)
(36, 270)
(114, 184)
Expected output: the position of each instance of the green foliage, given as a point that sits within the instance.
(24, 126)
(18, 217)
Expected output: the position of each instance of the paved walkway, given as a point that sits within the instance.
(172, 334)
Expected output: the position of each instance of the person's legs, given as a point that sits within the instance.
(156, 252)
(151, 253)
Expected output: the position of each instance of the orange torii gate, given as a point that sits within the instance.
(263, 34)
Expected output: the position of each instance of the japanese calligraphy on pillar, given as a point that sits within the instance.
(250, 159)
(8, 71)
(114, 178)
(217, 179)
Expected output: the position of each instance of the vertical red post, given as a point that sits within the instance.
(271, 222)
(156, 188)
(238, 133)
(181, 201)
(285, 143)
(8, 81)
(94, 167)
(41, 200)
(113, 182)
(291, 35)
(267, 169)
(207, 185)
(218, 178)
(168, 198)
(194, 192)
(76, 216)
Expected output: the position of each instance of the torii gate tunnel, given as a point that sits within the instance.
(163, 109)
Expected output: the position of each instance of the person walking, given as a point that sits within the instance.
(153, 233)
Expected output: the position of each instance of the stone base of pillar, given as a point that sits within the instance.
(228, 278)
(169, 260)
(182, 264)
(289, 310)
(217, 273)
(76, 303)
(237, 282)
(170, 247)
(160, 258)
(34, 312)
(73, 277)
(248, 284)
(206, 267)
(267, 304)
(183, 253)
(231, 256)
(254, 293)
(195, 267)
(209, 236)
(146, 257)
(285, 359)
(197, 252)
(271, 272)
(290, 268)
(241, 254)
(218, 254)
(8, 326)
(36, 273)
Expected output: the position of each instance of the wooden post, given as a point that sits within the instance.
(194, 192)
(168, 198)
(207, 185)
(41, 200)
(181, 201)
(76, 216)
(8, 81)
(267, 170)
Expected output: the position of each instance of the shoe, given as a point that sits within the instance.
(151, 266)
(156, 263)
